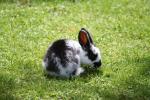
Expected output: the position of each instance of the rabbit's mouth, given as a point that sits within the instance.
(97, 64)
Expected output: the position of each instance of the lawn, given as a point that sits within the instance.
(120, 28)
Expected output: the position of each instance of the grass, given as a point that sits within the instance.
(121, 28)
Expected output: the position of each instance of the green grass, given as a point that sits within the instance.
(121, 29)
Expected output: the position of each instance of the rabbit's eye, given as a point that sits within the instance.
(94, 56)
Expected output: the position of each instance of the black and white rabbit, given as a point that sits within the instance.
(64, 57)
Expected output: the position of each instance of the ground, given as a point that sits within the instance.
(120, 28)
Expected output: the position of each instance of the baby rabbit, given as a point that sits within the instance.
(64, 57)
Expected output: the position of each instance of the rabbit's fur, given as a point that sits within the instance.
(64, 57)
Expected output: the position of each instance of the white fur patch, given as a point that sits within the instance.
(84, 59)
(45, 64)
(79, 71)
(96, 51)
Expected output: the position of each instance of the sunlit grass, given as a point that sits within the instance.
(120, 28)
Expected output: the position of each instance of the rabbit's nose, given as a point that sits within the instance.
(97, 64)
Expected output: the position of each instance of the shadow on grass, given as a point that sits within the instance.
(91, 72)
(137, 86)
(88, 74)
(7, 85)
(140, 83)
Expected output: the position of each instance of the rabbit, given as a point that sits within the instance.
(64, 57)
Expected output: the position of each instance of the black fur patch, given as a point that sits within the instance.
(91, 55)
(60, 49)
(74, 72)
(52, 66)
(97, 64)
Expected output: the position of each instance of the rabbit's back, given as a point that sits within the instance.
(62, 57)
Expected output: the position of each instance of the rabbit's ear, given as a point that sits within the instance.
(90, 38)
(84, 39)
